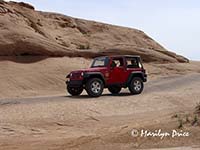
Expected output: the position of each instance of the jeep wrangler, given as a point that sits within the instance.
(112, 72)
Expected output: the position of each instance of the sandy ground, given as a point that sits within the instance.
(45, 117)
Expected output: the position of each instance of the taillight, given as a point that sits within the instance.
(144, 71)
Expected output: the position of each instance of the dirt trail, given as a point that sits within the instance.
(165, 84)
(65, 122)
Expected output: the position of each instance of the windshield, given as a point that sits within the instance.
(100, 62)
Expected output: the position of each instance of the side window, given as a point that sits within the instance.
(132, 63)
(118, 62)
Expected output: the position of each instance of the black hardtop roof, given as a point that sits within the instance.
(115, 56)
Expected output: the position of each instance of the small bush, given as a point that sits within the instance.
(188, 118)
(197, 109)
(84, 46)
(180, 123)
(195, 121)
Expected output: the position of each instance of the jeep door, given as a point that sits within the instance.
(117, 71)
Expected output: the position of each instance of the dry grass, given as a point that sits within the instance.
(197, 109)
(188, 119)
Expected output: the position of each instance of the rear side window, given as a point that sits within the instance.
(133, 63)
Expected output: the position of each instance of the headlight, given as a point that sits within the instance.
(82, 74)
(71, 74)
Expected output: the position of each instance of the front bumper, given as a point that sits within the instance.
(74, 83)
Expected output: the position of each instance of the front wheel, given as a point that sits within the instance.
(94, 87)
(136, 85)
(74, 91)
(114, 89)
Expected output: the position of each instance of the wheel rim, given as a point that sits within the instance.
(96, 87)
(137, 85)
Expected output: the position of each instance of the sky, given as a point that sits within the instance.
(175, 24)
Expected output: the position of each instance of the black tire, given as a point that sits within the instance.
(114, 89)
(74, 91)
(136, 85)
(94, 87)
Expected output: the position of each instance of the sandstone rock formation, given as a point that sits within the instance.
(24, 32)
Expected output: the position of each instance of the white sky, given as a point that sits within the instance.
(175, 24)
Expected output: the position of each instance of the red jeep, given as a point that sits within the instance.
(112, 72)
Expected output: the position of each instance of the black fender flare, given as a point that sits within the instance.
(142, 75)
(68, 75)
(89, 75)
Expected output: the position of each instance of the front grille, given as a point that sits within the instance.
(76, 75)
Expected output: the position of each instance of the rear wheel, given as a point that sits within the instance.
(114, 89)
(74, 91)
(136, 85)
(94, 87)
